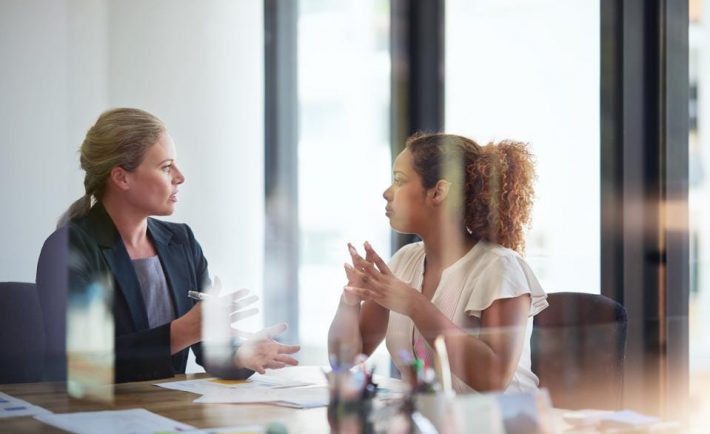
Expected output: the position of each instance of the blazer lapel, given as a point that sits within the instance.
(119, 262)
(122, 269)
(174, 261)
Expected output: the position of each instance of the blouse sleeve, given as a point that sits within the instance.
(506, 276)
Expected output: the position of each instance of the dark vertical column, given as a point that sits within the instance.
(417, 50)
(674, 135)
(644, 168)
(281, 165)
(611, 102)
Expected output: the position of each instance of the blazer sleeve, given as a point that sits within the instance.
(144, 355)
(217, 365)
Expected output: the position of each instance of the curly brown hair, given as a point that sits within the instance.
(497, 178)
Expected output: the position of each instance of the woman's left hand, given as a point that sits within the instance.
(380, 285)
(261, 351)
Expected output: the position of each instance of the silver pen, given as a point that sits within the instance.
(197, 295)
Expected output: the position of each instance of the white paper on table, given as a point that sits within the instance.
(584, 418)
(609, 418)
(628, 419)
(15, 407)
(248, 429)
(301, 397)
(134, 421)
(213, 385)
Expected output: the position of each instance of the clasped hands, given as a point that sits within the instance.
(370, 278)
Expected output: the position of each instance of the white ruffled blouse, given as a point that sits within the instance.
(486, 273)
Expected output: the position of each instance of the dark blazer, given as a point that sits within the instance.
(96, 251)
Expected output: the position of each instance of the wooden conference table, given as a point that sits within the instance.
(179, 406)
(172, 404)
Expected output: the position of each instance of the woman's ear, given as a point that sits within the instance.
(119, 178)
(440, 191)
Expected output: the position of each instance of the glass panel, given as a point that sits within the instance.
(529, 71)
(344, 153)
(699, 211)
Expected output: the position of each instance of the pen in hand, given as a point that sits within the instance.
(216, 289)
(237, 300)
(197, 295)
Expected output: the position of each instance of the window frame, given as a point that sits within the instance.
(644, 194)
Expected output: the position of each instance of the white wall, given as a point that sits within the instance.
(197, 65)
(36, 158)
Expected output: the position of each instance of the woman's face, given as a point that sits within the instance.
(406, 197)
(154, 183)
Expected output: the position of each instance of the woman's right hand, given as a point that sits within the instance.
(225, 310)
(236, 303)
(261, 351)
(356, 274)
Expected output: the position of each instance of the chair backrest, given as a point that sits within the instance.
(577, 350)
(22, 341)
(52, 282)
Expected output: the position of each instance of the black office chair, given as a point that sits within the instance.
(577, 350)
(22, 341)
(52, 282)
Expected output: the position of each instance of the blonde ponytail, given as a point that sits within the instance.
(120, 137)
(78, 208)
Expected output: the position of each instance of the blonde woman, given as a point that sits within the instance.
(465, 280)
(131, 175)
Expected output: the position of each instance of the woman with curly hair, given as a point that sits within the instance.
(465, 280)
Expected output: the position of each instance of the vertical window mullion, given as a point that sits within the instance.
(645, 193)
(281, 253)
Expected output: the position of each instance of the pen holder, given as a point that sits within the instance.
(351, 401)
(350, 416)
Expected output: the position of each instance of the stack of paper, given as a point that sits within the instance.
(257, 389)
(12, 407)
(209, 385)
(299, 397)
(135, 421)
(250, 429)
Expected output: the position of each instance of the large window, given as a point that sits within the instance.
(699, 211)
(529, 71)
(344, 152)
